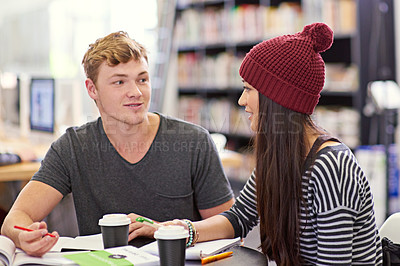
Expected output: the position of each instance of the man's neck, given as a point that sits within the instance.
(133, 141)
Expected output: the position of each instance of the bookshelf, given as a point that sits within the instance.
(212, 37)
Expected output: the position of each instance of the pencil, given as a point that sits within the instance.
(30, 230)
(216, 257)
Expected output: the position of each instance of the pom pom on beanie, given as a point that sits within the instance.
(321, 35)
(289, 69)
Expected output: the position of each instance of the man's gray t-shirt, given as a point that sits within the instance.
(180, 174)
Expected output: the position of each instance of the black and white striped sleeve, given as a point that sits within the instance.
(243, 214)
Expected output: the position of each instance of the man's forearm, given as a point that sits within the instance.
(15, 217)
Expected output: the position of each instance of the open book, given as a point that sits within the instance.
(90, 242)
(10, 255)
(201, 249)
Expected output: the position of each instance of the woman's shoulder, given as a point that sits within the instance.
(336, 170)
(336, 157)
(335, 164)
(334, 150)
(330, 143)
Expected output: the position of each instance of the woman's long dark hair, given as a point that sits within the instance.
(281, 148)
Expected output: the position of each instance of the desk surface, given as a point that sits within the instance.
(20, 171)
(241, 255)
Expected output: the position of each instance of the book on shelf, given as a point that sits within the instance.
(239, 23)
(381, 166)
(341, 77)
(126, 255)
(216, 115)
(340, 15)
(340, 121)
(199, 250)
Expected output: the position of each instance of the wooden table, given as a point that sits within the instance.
(18, 172)
(25, 170)
(241, 255)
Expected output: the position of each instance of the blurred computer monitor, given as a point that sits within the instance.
(42, 95)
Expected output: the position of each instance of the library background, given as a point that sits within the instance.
(196, 48)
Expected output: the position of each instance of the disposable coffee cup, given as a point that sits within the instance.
(171, 241)
(115, 229)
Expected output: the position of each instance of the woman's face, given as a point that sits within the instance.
(249, 99)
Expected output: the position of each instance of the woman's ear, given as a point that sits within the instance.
(91, 88)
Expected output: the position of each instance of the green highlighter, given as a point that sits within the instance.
(148, 221)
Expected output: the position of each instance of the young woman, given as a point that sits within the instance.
(308, 193)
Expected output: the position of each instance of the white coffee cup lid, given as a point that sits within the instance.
(114, 219)
(171, 232)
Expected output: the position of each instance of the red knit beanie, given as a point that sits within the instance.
(289, 69)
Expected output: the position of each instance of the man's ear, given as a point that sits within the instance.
(91, 88)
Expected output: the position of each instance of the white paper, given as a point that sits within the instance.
(199, 250)
(90, 242)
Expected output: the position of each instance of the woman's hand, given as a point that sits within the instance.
(176, 222)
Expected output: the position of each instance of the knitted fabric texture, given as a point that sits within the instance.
(289, 69)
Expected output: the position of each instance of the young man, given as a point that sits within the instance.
(127, 161)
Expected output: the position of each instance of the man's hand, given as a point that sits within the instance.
(35, 243)
(137, 229)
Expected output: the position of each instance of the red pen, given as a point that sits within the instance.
(30, 230)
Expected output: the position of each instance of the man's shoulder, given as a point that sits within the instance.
(84, 128)
(180, 126)
(82, 132)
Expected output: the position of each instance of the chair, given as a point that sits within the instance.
(391, 228)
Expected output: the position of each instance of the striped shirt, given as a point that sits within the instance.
(338, 227)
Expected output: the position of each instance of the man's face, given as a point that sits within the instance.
(122, 92)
